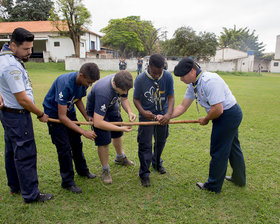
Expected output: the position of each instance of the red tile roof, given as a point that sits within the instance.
(32, 26)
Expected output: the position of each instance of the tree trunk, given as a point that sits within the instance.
(76, 43)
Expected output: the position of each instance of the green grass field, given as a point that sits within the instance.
(172, 198)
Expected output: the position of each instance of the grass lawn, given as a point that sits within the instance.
(172, 198)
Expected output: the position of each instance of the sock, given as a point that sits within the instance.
(120, 156)
(106, 168)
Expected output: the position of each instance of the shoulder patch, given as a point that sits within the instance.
(15, 72)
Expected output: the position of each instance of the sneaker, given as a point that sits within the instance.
(106, 177)
(74, 189)
(145, 182)
(229, 178)
(42, 197)
(124, 161)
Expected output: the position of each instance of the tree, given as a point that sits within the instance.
(147, 34)
(241, 39)
(5, 7)
(119, 36)
(131, 35)
(71, 18)
(26, 10)
(185, 42)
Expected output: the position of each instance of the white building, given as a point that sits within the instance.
(275, 64)
(48, 44)
(243, 61)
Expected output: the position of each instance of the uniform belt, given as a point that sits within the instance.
(16, 111)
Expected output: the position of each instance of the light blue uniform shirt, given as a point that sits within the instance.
(13, 79)
(211, 90)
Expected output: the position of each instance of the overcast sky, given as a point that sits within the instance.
(202, 15)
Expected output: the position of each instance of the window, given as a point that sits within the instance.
(276, 64)
(56, 44)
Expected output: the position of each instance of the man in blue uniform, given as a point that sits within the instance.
(67, 91)
(17, 93)
(122, 64)
(154, 98)
(139, 65)
(103, 104)
(212, 93)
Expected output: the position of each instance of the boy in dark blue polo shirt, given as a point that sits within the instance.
(67, 91)
(154, 98)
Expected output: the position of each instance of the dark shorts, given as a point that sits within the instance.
(104, 137)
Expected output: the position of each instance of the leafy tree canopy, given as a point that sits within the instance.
(25, 10)
(241, 39)
(186, 42)
(130, 35)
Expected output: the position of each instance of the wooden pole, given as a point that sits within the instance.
(130, 123)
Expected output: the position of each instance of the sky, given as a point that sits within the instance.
(201, 15)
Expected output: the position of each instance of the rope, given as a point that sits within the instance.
(129, 123)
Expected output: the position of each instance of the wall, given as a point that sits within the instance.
(59, 53)
(277, 48)
(113, 64)
(275, 66)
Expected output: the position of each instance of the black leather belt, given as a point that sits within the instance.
(16, 111)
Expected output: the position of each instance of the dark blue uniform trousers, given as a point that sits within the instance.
(145, 154)
(69, 145)
(20, 154)
(225, 146)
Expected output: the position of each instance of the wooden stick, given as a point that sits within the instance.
(129, 123)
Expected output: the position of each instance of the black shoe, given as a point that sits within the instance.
(201, 186)
(74, 189)
(42, 197)
(229, 178)
(161, 169)
(146, 182)
(89, 175)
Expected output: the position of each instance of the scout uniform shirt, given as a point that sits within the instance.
(64, 91)
(211, 90)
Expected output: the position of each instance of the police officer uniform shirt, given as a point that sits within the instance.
(211, 90)
(13, 78)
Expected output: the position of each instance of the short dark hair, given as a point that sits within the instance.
(156, 60)
(21, 35)
(91, 71)
(123, 80)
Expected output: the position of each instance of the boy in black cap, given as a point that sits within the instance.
(212, 93)
(154, 98)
